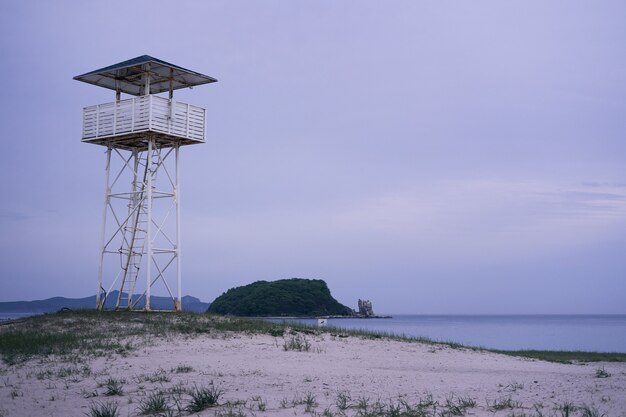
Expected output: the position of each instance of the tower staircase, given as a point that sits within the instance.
(135, 234)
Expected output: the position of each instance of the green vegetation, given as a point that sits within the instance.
(154, 403)
(590, 411)
(103, 410)
(183, 369)
(567, 409)
(565, 356)
(113, 387)
(502, 404)
(343, 400)
(458, 406)
(366, 407)
(309, 401)
(297, 342)
(259, 402)
(203, 398)
(285, 298)
(160, 375)
(101, 333)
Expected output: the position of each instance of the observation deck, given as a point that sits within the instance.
(131, 123)
(126, 123)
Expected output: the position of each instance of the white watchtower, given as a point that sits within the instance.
(140, 249)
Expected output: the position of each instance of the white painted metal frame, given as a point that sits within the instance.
(141, 214)
(140, 226)
(143, 114)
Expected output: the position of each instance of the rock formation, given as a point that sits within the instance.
(365, 308)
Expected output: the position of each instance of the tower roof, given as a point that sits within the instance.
(128, 76)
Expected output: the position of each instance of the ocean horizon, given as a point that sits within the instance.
(570, 332)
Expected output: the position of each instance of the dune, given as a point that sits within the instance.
(296, 373)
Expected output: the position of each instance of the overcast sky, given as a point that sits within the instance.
(433, 157)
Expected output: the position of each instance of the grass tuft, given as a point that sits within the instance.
(160, 375)
(183, 369)
(502, 404)
(203, 398)
(113, 387)
(297, 342)
(458, 406)
(362, 404)
(343, 400)
(261, 405)
(589, 411)
(108, 409)
(566, 409)
(309, 402)
(154, 403)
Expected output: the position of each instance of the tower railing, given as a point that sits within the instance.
(142, 114)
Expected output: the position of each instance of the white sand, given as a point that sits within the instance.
(257, 367)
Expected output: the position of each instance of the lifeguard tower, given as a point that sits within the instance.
(140, 252)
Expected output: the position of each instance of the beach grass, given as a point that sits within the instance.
(113, 387)
(108, 409)
(154, 403)
(203, 398)
(297, 342)
(101, 333)
(565, 356)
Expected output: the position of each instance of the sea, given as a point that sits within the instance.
(14, 316)
(592, 333)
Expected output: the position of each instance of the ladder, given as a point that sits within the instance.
(136, 229)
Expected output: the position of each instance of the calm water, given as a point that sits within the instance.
(12, 316)
(601, 333)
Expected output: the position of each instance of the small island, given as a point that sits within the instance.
(295, 297)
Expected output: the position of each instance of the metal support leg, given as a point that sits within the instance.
(144, 215)
(149, 222)
(178, 306)
(107, 192)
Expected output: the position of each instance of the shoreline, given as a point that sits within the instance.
(316, 317)
(264, 369)
(550, 354)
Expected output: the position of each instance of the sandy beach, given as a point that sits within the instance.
(257, 376)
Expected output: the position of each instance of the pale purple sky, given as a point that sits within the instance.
(433, 157)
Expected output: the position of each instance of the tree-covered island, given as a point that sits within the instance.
(295, 297)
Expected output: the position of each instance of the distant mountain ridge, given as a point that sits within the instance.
(53, 304)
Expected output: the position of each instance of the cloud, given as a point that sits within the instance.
(585, 203)
(453, 221)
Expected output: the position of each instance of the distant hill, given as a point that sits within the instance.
(294, 297)
(56, 303)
